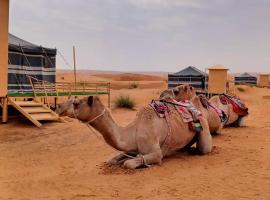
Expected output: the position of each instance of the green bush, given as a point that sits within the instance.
(240, 89)
(124, 102)
(134, 85)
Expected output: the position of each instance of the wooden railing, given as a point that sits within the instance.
(48, 89)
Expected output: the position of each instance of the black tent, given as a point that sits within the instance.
(190, 75)
(24, 59)
(245, 78)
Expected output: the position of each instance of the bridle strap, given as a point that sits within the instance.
(90, 121)
(95, 118)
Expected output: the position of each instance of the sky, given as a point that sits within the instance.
(149, 35)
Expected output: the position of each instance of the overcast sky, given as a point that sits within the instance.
(148, 35)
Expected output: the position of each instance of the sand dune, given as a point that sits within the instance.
(66, 160)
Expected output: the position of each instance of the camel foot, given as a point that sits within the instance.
(133, 163)
(118, 160)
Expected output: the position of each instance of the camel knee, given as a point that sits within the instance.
(242, 121)
(219, 130)
(204, 143)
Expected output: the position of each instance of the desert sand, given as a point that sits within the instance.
(66, 161)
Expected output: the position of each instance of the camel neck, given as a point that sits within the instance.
(113, 134)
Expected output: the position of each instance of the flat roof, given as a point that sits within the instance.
(218, 67)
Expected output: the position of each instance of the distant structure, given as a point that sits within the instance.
(245, 78)
(264, 80)
(217, 82)
(25, 58)
(190, 75)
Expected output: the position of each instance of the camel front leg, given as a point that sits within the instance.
(204, 143)
(144, 160)
(219, 131)
(121, 158)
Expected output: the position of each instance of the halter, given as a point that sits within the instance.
(90, 121)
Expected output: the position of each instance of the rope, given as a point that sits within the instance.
(64, 59)
(47, 56)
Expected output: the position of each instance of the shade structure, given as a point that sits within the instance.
(190, 75)
(245, 78)
(217, 83)
(264, 80)
(27, 59)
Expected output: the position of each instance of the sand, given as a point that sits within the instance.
(66, 161)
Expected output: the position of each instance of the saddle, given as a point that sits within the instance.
(185, 108)
(238, 106)
(207, 105)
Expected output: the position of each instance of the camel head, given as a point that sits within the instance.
(83, 109)
(66, 108)
(181, 92)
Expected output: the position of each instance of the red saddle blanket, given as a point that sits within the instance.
(238, 106)
(185, 108)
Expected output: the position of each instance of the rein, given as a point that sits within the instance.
(92, 120)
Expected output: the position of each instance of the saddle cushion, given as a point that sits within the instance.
(238, 106)
(207, 105)
(185, 108)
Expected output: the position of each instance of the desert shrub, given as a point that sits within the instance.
(240, 89)
(134, 85)
(124, 102)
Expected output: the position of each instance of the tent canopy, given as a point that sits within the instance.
(190, 71)
(27, 59)
(190, 75)
(245, 78)
(245, 75)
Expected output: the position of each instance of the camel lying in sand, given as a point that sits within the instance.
(148, 135)
(187, 92)
(183, 92)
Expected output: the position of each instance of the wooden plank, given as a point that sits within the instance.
(5, 110)
(4, 21)
(28, 103)
(36, 110)
(46, 108)
(43, 116)
(27, 115)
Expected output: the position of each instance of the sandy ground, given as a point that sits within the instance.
(65, 161)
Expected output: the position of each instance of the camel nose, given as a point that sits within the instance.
(76, 103)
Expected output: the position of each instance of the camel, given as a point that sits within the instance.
(215, 125)
(149, 137)
(187, 92)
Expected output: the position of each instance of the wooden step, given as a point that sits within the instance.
(36, 109)
(43, 116)
(27, 103)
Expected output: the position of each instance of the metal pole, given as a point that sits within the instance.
(74, 64)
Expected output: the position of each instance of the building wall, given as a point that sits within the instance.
(4, 14)
(264, 80)
(217, 81)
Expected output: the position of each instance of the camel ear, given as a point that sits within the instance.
(185, 88)
(175, 91)
(90, 100)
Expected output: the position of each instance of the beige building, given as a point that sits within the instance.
(217, 79)
(264, 80)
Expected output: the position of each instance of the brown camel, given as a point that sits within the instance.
(215, 125)
(148, 135)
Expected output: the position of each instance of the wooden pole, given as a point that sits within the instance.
(74, 64)
(4, 20)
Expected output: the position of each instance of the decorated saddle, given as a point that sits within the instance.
(238, 106)
(185, 108)
(207, 105)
